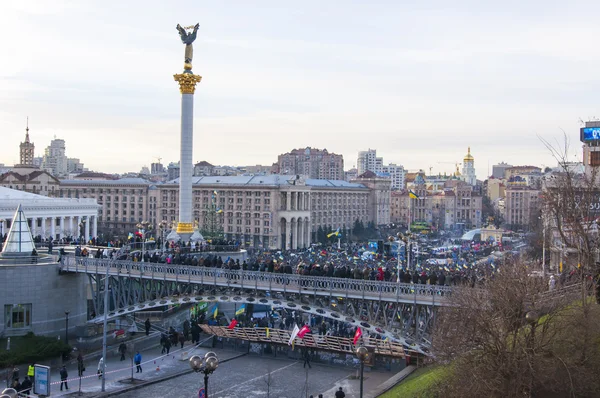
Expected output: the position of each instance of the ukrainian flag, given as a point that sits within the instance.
(215, 311)
(214, 192)
(336, 233)
(413, 195)
(241, 310)
(219, 211)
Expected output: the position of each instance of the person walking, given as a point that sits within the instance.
(138, 362)
(100, 367)
(181, 339)
(339, 393)
(122, 350)
(80, 365)
(63, 377)
(31, 372)
(306, 359)
(147, 326)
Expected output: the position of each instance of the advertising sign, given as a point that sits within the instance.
(42, 380)
(590, 134)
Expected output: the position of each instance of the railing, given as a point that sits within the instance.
(306, 285)
(41, 259)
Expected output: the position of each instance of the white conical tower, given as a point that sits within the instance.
(19, 242)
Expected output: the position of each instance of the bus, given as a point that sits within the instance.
(420, 227)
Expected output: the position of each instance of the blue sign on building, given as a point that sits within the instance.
(590, 134)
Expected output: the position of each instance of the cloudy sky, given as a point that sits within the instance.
(418, 81)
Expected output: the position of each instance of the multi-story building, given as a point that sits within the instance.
(74, 166)
(456, 206)
(368, 161)
(312, 163)
(26, 150)
(350, 174)
(203, 168)
(495, 188)
(55, 159)
(172, 171)
(521, 204)
(499, 170)
(123, 203)
(397, 175)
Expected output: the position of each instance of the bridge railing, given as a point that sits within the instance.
(337, 287)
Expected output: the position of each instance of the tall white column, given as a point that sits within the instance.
(300, 233)
(187, 86)
(33, 226)
(95, 227)
(294, 243)
(307, 232)
(87, 228)
(62, 227)
(288, 200)
(44, 227)
(52, 227)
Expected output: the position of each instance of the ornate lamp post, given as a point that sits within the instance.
(205, 365)
(143, 227)
(162, 226)
(362, 353)
(406, 239)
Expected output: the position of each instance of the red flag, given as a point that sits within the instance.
(357, 335)
(232, 324)
(305, 329)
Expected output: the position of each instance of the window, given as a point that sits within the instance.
(17, 316)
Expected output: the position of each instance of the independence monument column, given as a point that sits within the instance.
(187, 85)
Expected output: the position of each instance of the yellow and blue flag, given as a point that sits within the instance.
(241, 310)
(413, 195)
(219, 211)
(215, 311)
(336, 233)
(267, 332)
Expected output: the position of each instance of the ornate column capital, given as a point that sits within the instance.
(187, 82)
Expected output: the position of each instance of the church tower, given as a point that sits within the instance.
(468, 172)
(27, 149)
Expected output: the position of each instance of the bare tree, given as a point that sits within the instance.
(511, 338)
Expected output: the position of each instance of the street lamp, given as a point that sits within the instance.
(406, 239)
(1, 233)
(143, 226)
(163, 228)
(391, 239)
(67, 327)
(362, 354)
(205, 365)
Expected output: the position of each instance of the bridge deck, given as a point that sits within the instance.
(326, 343)
(265, 281)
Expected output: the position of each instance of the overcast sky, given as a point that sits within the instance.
(418, 82)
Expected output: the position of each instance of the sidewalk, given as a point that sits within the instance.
(155, 365)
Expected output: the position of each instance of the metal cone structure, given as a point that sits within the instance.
(19, 242)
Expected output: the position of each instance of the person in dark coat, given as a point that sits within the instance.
(63, 377)
(147, 326)
(122, 350)
(26, 386)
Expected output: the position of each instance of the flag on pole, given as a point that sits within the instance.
(241, 310)
(336, 233)
(305, 329)
(357, 335)
(413, 195)
(232, 324)
(267, 332)
(295, 332)
(215, 311)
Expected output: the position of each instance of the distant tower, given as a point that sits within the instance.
(27, 149)
(468, 173)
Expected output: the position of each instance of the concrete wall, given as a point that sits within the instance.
(49, 293)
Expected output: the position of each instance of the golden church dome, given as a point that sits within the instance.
(468, 156)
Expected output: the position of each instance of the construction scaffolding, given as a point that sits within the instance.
(313, 341)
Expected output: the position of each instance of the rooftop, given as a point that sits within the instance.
(273, 180)
(122, 181)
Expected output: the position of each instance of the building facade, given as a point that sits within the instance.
(50, 218)
(521, 204)
(26, 150)
(122, 203)
(397, 174)
(312, 163)
(368, 161)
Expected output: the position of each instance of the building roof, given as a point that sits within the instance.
(27, 177)
(19, 239)
(93, 174)
(203, 163)
(468, 156)
(122, 181)
(13, 194)
(267, 180)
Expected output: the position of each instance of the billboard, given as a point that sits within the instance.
(41, 379)
(589, 134)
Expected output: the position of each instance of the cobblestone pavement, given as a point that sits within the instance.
(248, 377)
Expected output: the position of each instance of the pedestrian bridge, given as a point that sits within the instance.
(401, 312)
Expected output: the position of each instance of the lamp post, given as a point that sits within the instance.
(1, 233)
(362, 353)
(205, 365)
(406, 239)
(162, 227)
(391, 239)
(67, 327)
(142, 227)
